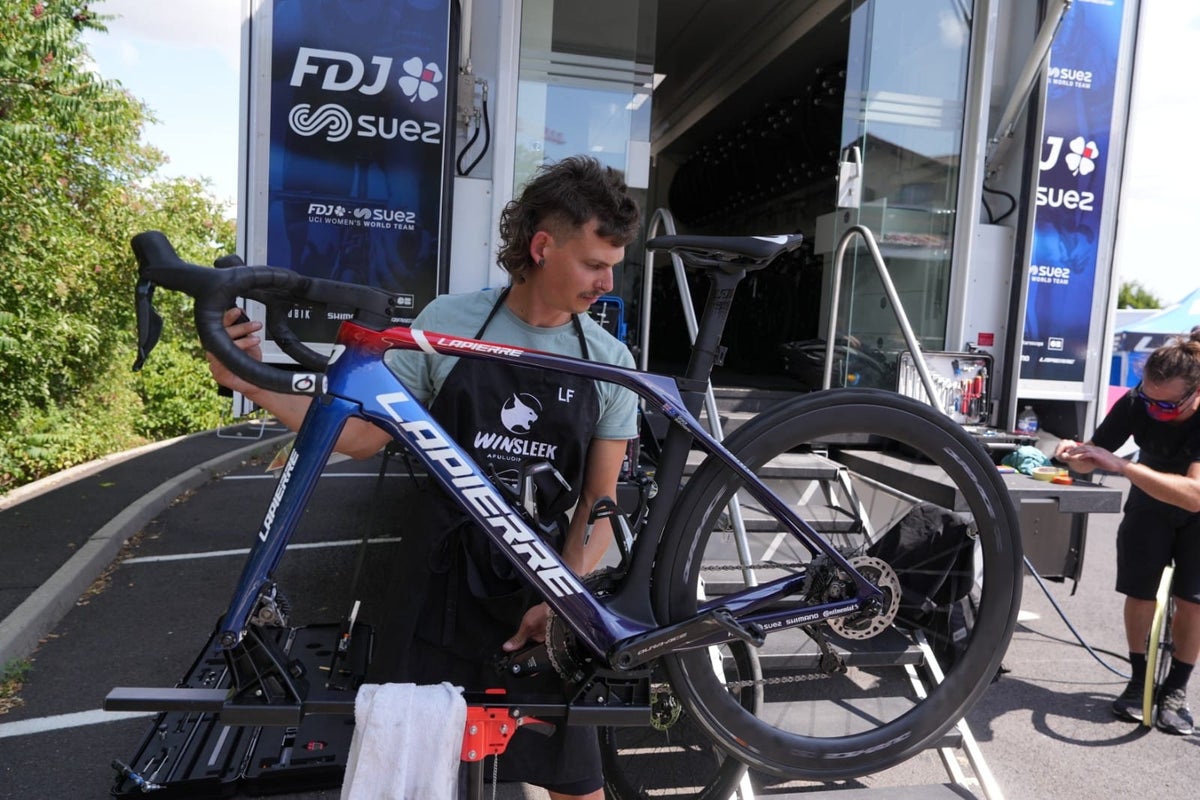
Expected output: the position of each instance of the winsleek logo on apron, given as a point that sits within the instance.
(518, 415)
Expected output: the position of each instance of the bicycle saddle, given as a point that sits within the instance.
(727, 252)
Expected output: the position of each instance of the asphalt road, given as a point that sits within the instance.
(1045, 727)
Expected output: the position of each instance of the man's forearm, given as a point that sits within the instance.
(584, 558)
(359, 438)
(1177, 490)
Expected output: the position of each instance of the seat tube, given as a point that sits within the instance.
(678, 440)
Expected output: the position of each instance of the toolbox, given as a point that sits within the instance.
(195, 755)
(962, 383)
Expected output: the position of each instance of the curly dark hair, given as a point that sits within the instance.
(560, 199)
(1179, 358)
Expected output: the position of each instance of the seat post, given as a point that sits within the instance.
(705, 351)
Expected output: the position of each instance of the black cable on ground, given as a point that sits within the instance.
(1070, 627)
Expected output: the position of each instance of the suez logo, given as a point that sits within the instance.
(338, 124)
(484, 498)
(395, 217)
(1081, 160)
(340, 71)
(1039, 273)
(1070, 77)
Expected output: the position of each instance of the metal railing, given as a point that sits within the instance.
(889, 288)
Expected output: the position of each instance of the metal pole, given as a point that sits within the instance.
(1024, 84)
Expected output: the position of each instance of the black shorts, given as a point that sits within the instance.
(1152, 535)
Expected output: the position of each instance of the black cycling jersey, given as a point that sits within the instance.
(1164, 446)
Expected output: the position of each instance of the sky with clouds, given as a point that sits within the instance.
(181, 57)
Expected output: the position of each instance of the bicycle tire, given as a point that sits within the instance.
(1158, 646)
(845, 727)
(678, 758)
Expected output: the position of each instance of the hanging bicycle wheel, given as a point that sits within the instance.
(673, 756)
(920, 509)
(1159, 646)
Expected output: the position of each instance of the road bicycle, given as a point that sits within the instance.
(758, 599)
(1159, 645)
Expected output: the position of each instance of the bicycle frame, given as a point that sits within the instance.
(361, 385)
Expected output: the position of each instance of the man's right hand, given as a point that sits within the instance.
(359, 439)
(245, 336)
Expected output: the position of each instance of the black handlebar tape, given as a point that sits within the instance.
(232, 260)
(277, 325)
(215, 291)
(289, 342)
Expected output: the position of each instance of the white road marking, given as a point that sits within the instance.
(324, 475)
(78, 719)
(241, 551)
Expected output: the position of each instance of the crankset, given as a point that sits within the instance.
(570, 658)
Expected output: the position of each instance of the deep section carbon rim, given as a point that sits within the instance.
(880, 476)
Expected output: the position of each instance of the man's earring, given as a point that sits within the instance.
(541, 262)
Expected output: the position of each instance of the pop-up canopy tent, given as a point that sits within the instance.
(1136, 340)
(1157, 329)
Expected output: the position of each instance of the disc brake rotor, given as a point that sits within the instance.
(864, 626)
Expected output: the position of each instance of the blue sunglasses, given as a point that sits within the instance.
(1163, 405)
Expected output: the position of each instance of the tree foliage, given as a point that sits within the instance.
(1134, 295)
(76, 184)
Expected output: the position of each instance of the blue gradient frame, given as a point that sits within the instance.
(361, 385)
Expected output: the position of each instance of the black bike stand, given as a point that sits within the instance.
(194, 753)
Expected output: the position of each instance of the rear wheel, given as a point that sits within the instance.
(884, 479)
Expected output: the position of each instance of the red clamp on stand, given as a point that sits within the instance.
(487, 732)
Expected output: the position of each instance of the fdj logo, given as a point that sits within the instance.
(1081, 159)
(346, 72)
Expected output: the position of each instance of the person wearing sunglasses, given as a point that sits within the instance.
(1162, 515)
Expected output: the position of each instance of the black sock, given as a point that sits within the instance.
(1137, 665)
(1178, 677)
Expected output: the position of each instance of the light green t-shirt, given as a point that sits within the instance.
(463, 314)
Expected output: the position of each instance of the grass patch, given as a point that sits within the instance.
(12, 678)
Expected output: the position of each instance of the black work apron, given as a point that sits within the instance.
(471, 598)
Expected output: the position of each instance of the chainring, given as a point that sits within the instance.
(865, 626)
(568, 656)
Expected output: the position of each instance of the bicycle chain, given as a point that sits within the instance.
(760, 565)
(815, 676)
(735, 685)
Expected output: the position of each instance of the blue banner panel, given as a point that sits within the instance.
(1076, 134)
(358, 155)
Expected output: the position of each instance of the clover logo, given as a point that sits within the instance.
(1082, 158)
(418, 83)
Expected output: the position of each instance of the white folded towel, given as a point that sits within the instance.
(407, 742)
